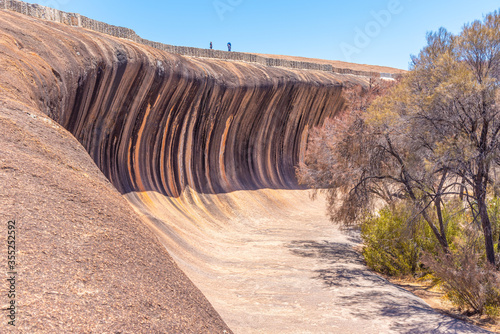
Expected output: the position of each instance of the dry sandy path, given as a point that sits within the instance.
(270, 261)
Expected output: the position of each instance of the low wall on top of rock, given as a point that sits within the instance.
(77, 20)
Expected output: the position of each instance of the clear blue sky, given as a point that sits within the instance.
(378, 32)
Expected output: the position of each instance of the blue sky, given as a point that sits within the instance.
(378, 32)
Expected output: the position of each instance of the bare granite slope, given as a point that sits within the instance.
(203, 150)
(86, 263)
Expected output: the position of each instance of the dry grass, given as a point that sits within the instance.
(435, 298)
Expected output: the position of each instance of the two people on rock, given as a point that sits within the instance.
(228, 46)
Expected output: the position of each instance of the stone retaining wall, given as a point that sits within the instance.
(77, 20)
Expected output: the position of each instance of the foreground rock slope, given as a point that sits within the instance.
(204, 151)
(87, 264)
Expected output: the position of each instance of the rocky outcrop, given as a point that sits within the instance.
(194, 144)
(171, 124)
(77, 20)
(155, 121)
(85, 262)
(203, 149)
(152, 122)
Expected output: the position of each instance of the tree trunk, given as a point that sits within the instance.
(441, 238)
(486, 225)
(437, 204)
(439, 212)
(462, 190)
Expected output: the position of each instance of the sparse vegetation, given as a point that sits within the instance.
(391, 246)
(427, 151)
(468, 280)
(396, 238)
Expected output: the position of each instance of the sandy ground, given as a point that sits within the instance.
(434, 296)
(277, 265)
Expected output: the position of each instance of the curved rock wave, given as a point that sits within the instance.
(204, 150)
(154, 121)
(168, 123)
(187, 140)
(163, 123)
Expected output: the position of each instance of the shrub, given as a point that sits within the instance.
(396, 244)
(395, 239)
(393, 244)
(468, 280)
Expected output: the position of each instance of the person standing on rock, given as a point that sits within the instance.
(210, 45)
(229, 47)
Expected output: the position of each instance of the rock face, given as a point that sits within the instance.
(85, 261)
(154, 121)
(204, 150)
(164, 123)
(77, 20)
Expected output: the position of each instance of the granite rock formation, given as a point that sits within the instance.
(85, 261)
(151, 121)
(77, 20)
(204, 151)
(156, 121)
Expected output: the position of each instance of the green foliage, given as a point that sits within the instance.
(455, 217)
(493, 311)
(391, 245)
(494, 214)
(398, 245)
(395, 239)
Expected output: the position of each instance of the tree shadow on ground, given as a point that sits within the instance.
(339, 258)
(368, 296)
(406, 314)
(334, 252)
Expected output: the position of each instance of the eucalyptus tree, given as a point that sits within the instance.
(432, 137)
